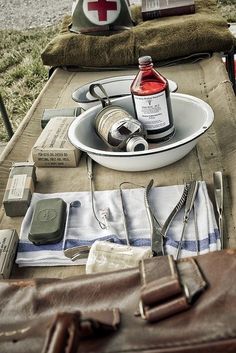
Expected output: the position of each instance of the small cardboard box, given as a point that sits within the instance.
(53, 149)
(8, 245)
(19, 189)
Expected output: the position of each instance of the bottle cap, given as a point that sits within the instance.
(143, 60)
(136, 143)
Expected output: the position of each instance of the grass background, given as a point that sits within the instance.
(22, 74)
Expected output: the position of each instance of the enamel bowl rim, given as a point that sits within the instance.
(105, 80)
(167, 146)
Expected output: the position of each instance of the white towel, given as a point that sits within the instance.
(83, 229)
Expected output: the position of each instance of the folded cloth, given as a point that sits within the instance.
(163, 38)
(83, 229)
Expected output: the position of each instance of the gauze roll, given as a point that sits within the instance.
(105, 256)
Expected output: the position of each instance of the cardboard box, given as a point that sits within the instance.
(53, 149)
(8, 245)
(19, 189)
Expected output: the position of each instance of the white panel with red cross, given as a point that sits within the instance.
(101, 12)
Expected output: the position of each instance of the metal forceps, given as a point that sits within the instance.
(174, 212)
(193, 186)
(219, 194)
(159, 232)
(156, 234)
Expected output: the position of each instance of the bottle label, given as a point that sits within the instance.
(152, 111)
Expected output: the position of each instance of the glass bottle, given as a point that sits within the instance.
(151, 99)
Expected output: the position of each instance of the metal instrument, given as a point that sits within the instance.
(80, 251)
(192, 191)
(219, 199)
(150, 215)
(155, 230)
(124, 216)
(159, 232)
(196, 230)
(89, 162)
(77, 252)
(175, 210)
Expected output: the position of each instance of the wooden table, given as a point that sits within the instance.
(216, 150)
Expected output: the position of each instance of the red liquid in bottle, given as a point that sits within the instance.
(151, 98)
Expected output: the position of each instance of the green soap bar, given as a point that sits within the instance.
(48, 221)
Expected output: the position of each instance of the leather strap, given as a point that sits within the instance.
(168, 287)
(64, 334)
(191, 278)
(67, 329)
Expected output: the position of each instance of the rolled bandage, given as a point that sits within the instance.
(105, 256)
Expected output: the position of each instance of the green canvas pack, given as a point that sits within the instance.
(165, 39)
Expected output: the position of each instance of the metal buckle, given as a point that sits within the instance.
(186, 293)
(142, 310)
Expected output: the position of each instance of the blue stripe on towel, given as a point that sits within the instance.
(27, 247)
(189, 245)
(136, 242)
(70, 243)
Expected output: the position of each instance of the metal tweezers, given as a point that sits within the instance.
(155, 229)
(219, 198)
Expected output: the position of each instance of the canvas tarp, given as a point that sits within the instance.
(216, 150)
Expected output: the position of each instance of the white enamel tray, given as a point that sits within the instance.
(116, 87)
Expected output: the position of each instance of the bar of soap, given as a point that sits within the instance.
(48, 221)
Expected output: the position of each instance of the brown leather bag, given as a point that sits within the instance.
(160, 307)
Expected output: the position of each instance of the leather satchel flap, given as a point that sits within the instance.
(29, 306)
(167, 287)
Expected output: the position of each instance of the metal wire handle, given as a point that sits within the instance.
(96, 95)
(89, 163)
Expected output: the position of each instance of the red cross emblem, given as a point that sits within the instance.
(102, 7)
